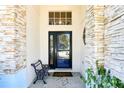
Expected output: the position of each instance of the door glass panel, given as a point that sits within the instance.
(60, 50)
(63, 55)
(51, 49)
(63, 42)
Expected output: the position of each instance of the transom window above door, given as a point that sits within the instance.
(60, 18)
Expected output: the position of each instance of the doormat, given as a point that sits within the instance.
(62, 74)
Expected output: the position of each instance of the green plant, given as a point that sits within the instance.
(91, 78)
(101, 79)
(117, 83)
(105, 79)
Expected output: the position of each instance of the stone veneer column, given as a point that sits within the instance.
(94, 35)
(114, 40)
(105, 37)
(12, 38)
(99, 32)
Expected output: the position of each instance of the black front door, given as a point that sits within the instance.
(60, 49)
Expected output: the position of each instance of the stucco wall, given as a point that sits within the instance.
(76, 28)
(33, 40)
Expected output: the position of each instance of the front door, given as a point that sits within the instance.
(60, 49)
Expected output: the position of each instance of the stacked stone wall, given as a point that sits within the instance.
(114, 39)
(94, 35)
(12, 38)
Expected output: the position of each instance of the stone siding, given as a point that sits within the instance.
(114, 39)
(105, 37)
(94, 34)
(12, 38)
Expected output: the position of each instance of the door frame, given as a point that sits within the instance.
(56, 46)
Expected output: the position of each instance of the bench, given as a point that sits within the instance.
(41, 71)
(45, 68)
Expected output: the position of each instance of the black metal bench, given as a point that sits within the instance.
(41, 71)
(45, 68)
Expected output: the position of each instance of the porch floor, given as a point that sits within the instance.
(60, 82)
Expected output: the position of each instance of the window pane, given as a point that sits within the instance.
(51, 21)
(69, 22)
(62, 14)
(60, 18)
(56, 21)
(57, 14)
(63, 21)
(68, 14)
(51, 14)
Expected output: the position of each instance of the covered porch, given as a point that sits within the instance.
(96, 36)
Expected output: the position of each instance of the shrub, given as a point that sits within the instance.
(101, 79)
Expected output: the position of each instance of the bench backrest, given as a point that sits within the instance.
(37, 65)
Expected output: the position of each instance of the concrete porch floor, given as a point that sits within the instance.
(60, 82)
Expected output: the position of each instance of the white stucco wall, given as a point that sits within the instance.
(33, 40)
(37, 35)
(76, 28)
